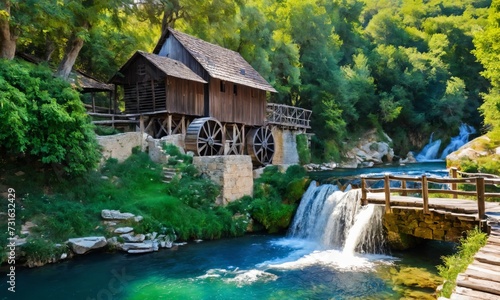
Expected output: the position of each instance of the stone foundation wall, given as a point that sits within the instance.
(434, 226)
(120, 145)
(285, 147)
(155, 146)
(233, 173)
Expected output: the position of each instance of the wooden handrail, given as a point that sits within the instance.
(479, 181)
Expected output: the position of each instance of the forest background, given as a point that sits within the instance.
(408, 68)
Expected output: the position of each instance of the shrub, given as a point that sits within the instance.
(41, 251)
(43, 116)
(458, 262)
(303, 149)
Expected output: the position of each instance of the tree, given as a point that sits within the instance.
(43, 117)
(83, 15)
(487, 52)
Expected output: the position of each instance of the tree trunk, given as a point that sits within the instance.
(75, 44)
(7, 38)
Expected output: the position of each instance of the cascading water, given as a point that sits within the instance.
(337, 220)
(458, 141)
(431, 150)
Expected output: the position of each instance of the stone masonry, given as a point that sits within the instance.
(433, 226)
(285, 147)
(120, 145)
(233, 173)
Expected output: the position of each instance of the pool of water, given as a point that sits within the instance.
(250, 267)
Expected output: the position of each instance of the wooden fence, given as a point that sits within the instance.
(113, 119)
(289, 116)
(480, 181)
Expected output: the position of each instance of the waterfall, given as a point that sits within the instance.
(336, 219)
(431, 150)
(458, 141)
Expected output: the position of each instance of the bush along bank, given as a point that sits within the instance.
(128, 206)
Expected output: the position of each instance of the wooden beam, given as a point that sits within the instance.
(480, 198)
(387, 191)
(364, 200)
(454, 185)
(425, 194)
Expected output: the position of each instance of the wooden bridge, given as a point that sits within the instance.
(481, 280)
(417, 196)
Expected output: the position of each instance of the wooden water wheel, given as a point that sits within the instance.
(205, 137)
(235, 137)
(260, 145)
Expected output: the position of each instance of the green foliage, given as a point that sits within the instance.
(488, 164)
(276, 196)
(106, 130)
(41, 251)
(458, 262)
(43, 116)
(303, 149)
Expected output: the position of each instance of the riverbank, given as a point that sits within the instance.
(183, 209)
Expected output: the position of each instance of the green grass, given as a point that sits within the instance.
(69, 208)
(458, 262)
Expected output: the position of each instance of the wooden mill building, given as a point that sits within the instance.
(206, 92)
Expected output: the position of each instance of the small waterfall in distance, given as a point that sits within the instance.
(336, 220)
(431, 150)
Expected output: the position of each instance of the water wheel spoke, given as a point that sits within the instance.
(216, 133)
(205, 131)
(200, 149)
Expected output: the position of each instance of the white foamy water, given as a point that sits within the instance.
(238, 277)
(334, 259)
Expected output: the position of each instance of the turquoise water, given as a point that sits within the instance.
(437, 168)
(250, 267)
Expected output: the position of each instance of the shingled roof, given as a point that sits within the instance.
(167, 65)
(220, 62)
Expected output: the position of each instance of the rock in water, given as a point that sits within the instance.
(85, 244)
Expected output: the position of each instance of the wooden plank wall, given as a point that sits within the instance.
(185, 97)
(243, 107)
(174, 50)
(153, 91)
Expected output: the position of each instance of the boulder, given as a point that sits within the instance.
(123, 230)
(133, 238)
(85, 244)
(115, 215)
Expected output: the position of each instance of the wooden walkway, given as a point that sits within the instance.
(481, 280)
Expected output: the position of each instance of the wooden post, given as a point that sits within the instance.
(403, 186)
(425, 194)
(364, 201)
(481, 211)
(169, 124)
(93, 101)
(454, 186)
(141, 126)
(387, 191)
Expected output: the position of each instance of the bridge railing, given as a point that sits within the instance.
(423, 189)
(289, 116)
